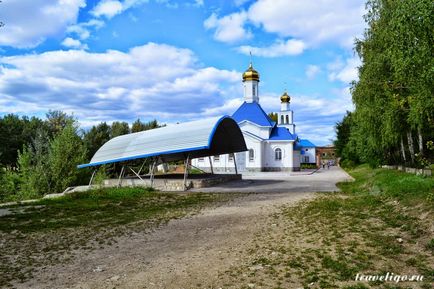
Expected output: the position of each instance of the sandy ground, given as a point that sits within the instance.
(189, 252)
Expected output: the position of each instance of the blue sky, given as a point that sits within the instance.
(111, 60)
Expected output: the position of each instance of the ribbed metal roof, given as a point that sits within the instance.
(200, 138)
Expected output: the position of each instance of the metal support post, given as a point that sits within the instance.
(210, 163)
(235, 163)
(91, 178)
(140, 170)
(121, 176)
(152, 172)
(186, 172)
(136, 173)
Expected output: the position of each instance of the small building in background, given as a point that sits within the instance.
(326, 153)
(307, 152)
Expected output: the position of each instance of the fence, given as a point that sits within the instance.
(424, 172)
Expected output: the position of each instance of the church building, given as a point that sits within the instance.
(272, 146)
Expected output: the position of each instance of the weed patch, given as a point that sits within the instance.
(381, 222)
(49, 232)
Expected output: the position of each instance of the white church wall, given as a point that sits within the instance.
(262, 132)
(221, 163)
(273, 164)
(296, 165)
(254, 164)
(310, 153)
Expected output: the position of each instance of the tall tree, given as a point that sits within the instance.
(34, 169)
(138, 125)
(394, 95)
(66, 152)
(57, 120)
(273, 116)
(16, 132)
(119, 128)
(96, 137)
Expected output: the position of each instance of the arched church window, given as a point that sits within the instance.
(278, 154)
(231, 157)
(251, 155)
(287, 119)
(254, 90)
(281, 119)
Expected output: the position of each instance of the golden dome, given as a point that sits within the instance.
(250, 74)
(285, 97)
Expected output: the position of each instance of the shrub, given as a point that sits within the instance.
(349, 164)
(9, 184)
(308, 166)
(66, 152)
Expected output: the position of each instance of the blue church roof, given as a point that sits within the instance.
(280, 133)
(252, 112)
(305, 143)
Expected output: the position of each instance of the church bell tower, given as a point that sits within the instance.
(251, 87)
(285, 117)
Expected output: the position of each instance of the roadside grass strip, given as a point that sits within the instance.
(380, 224)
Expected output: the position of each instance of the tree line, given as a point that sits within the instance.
(393, 120)
(40, 156)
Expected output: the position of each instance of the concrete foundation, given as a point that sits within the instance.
(276, 169)
(175, 182)
(265, 169)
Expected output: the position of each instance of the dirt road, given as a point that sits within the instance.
(192, 252)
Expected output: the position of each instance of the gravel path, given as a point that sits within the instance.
(189, 252)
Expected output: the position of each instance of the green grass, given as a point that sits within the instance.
(48, 231)
(108, 207)
(381, 222)
(409, 188)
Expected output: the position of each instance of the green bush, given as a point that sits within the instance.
(349, 164)
(9, 184)
(308, 166)
(45, 166)
(66, 152)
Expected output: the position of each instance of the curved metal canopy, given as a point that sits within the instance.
(194, 139)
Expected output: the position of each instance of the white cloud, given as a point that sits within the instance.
(29, 23)
(169, 4)
(345, 72)
(199, 3)
(149, 81)
(82, 29)
(73, 43)
(280, 48)
(228, 28)
(107, 8)
(313, 21)
(111, 8)
(312, 71)
(314, 115)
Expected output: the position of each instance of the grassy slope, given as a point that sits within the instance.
(48, 232)
(382, 222)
